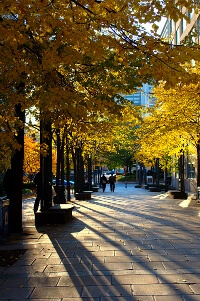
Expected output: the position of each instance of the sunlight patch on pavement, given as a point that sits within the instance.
(189, 202)
(161, 196)
(185, 203)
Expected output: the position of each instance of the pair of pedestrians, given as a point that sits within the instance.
(111, 180)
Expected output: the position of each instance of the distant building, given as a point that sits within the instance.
(177, 32)
(142, 97)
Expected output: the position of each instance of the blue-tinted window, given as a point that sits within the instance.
(191, 167)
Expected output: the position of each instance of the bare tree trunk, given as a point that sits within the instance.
(79, 176)
(181, 172)
(62, 159)
(198, 169)
(15, 208)
(90, 172)
(46, 165)
(58, 165)
(157, 173)
(67, 171)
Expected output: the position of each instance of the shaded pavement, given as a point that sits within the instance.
(128, 245)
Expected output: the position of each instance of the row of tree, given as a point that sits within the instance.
(172, 128)
(69, 62)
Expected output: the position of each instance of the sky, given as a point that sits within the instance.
(148, 26)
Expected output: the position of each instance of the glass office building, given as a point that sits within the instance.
(143, 96)
(177, 32)
(184, 30)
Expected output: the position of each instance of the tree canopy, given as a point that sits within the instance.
(69, 63)
(69, 59)
(173, 125)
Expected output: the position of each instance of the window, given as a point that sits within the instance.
(191, 166)
(177, 38)
(198, 26)
(184, 24)
(181, 27)
(170, 26)
(189, 14)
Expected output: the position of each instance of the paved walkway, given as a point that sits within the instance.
(127, 245)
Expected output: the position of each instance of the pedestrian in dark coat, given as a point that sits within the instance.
(112, 180)
(103, 182)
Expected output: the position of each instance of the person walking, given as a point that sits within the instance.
(8, 182)
(112, 180)
(103, 182)
(38, 181)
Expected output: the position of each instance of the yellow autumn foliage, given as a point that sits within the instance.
(173, 125)
(70, 59)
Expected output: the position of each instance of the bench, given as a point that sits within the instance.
(67, 208)
(176, 194)
(154, 189)
(85, 195)
(95, 189)
(57, 214)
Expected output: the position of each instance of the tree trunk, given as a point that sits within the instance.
(181, 173)
(166, 181)
(67, 171)
(198, 164)
(74, 154)
(79, 170)
(58, 165)
(157, 173)
(90, 172)
(62, 159)
(62, 199)
(46, 165)
(198, 169)
(15, 208)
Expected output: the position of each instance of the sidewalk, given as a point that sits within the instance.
(128, 245)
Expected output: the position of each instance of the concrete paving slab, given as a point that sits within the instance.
(134, 298)
(161, 289)
(55, 292)
(42, 281)
(54, 299)
(81, 299)
(23, 270)
(112, 266)
(16, 292)
(191, 298)
(179, 278)
(169, 298)
(107, 291)
(134, 279)
(131, 259)
(195, 288)
(172, 258)
(14, 282)
(181, 265)
(85, 280)
(53, 268)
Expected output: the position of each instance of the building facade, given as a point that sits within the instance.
(184, 30)
(177, 32)
(142, 97)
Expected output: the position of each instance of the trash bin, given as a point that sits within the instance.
(4, 219)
